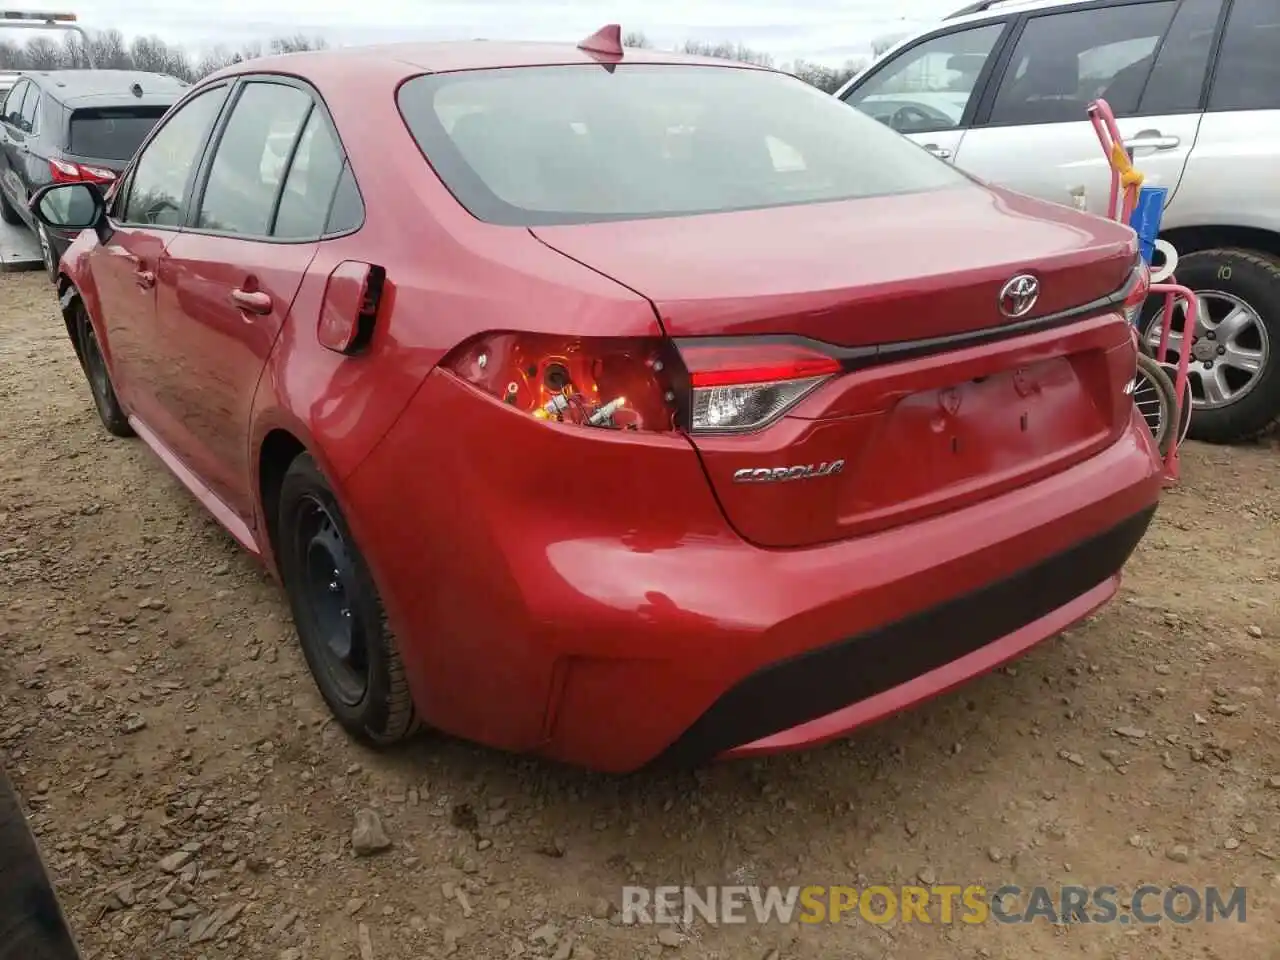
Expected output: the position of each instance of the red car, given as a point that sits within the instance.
(615, 407)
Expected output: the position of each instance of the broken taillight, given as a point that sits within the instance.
(610, 382)
(701, 386)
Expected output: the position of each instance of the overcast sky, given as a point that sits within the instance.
(825, 30)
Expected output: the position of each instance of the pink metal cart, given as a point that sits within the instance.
(1126, 181)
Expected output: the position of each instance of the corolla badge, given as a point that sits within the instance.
(807, 471)
(1019, 296)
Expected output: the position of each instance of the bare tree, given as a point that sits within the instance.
(13, 56)
(43, 54)
(110, 52)
(153, 55)
(149, 54)
(727, 51)
(297, 44)
(827, 78)
(214, 60)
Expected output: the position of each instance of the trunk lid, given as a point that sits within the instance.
(858, 272)
(947, 425)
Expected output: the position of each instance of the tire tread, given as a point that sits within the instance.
(1233, 425)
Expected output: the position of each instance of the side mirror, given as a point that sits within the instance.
(69, 206)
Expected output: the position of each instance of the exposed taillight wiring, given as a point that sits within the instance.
(702, 386)
(615, 383)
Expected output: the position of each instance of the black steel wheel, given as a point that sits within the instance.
(341, 623)
(95, 368)
(328, 587)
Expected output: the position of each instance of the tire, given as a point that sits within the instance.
(47, 253)
(342, 626)
(8, 214)
(34, 923)
(95, 369)
(1245, 405)
(1154, 394)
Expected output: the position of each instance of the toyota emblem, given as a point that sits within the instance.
(1019, 296)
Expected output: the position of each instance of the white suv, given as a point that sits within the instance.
(1001, 89)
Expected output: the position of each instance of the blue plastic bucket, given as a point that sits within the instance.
(1145, 220)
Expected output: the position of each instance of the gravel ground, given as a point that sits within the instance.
(193, 800)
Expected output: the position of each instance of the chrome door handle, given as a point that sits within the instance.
(1154, 140)
(145, 279)
(942, 153)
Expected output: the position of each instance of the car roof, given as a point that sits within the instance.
(993, 9)
(79, 87)
(452, 55)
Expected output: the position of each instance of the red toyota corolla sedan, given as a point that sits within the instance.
(615, 407)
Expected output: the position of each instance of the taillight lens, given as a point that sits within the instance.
(739, 387)
(1139, 290)
(603, 382)
(64, 171)
(703, 386)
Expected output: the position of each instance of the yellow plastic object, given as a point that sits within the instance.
(1129, 176)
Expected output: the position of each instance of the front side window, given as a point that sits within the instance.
(12, 106)
(579, 144)
(1248, 76)
(250, 161)
(1065, 61)
(160, 185)
(13, 103)
(928, 87)
(27, 123)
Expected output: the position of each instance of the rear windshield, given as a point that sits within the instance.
(111, 133)
(578, 144)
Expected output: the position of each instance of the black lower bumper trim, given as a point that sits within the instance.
(822, 681)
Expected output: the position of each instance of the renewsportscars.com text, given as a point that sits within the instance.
(941, 904)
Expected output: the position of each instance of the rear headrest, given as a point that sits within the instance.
(1055, 75)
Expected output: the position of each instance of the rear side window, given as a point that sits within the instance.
(928, 87)
(161, 182)
(347, 212)
(1065, 61)
(312, 180)
(1248, 74)
(578, 144)
(110, 133)
(251, 158)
